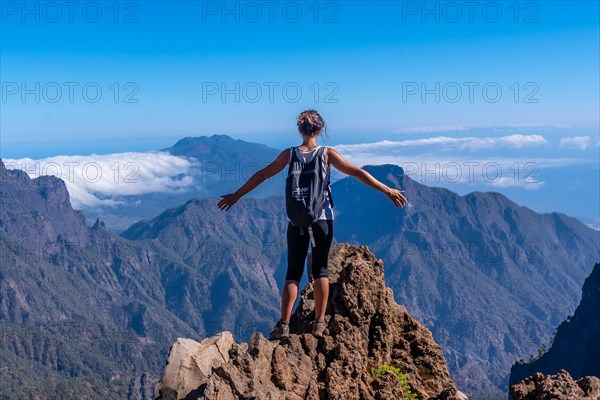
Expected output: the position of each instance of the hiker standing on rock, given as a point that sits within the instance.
(309, 206)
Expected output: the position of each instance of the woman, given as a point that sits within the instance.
(310, 125)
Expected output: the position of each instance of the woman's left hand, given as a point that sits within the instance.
(227, 201)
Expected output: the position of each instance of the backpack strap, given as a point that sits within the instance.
(320, 151)
(327, 183)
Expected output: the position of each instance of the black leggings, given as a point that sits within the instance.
(298, 248)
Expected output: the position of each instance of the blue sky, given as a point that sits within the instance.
(161, 68)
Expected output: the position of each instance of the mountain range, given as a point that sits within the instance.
(487, 276)
(490, 279)
(93, 313)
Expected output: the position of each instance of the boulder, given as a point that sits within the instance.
(191, 363)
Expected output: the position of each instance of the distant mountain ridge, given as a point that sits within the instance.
(576, 345)
(222, 149)
(220, 164)
(223, 164)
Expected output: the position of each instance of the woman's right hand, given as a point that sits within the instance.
(227, 201)
(396, 196)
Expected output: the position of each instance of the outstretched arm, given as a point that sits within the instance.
(256, 179)
(347, 168)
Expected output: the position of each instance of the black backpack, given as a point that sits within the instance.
(304, 190)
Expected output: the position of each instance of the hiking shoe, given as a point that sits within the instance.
(281, 329)
(318, 328)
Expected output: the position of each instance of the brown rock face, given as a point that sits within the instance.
(556, 387)
(365, 329)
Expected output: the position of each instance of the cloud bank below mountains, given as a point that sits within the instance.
(446, 143)
(493, 162)
(469, 127)
(99, 180)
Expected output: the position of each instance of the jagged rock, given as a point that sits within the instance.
(190, 364)
(366, 329)
(556, 387)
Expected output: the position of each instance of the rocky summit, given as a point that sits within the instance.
(556, 387)
(366, 330)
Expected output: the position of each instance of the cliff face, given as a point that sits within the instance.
(38, 211)
(366, 329)
(576, 346)
(81, 309)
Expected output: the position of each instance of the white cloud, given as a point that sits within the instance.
(434, 129)
(467, 127)
(96, 180)
(430, 166)
(463, 143)
(575, 142)
(493, 172)
(528, 183)
(519, 141)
